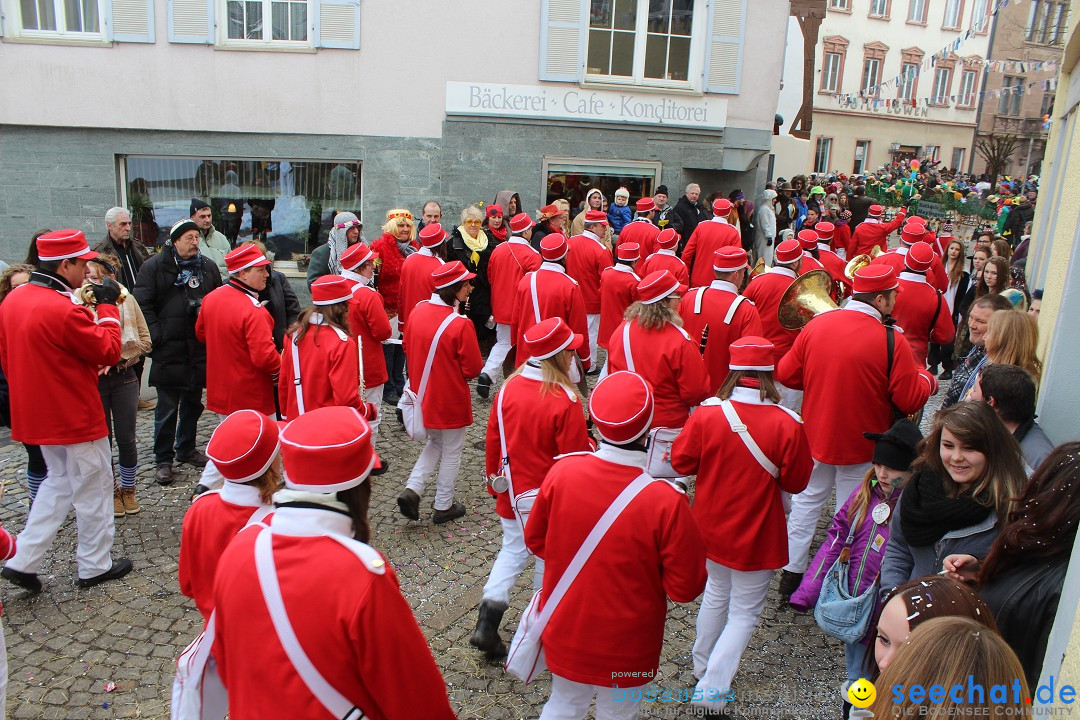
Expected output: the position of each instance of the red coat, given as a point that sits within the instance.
(348, 614)
(672, 364)
(833, 264)
(329, 372)
(871, 233)
(611, 619)
(923, 314)
(839, 360)
(386, 249)
(618, 291)
(557, 295)
(707, 238)
(539, 426)
(369, 323)
(241, 358)
(210, 524)
(737, 502)
(508, 263)
(841, 239)
(642, 232)
(585, 261)
(50, 349)
(664, 260)
(809, 262)
(897, 259)
(416, 283)
(709, 307)
(766, 290)
(447, 402)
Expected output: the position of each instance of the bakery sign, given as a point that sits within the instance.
(550, 102)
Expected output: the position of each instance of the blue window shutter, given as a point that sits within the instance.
(562, 40)
(337, 23)
(132, 20)
(724, 45)
(191, 21)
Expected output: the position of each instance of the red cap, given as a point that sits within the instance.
(550, 210)
(520, 223)
(595, 216)
(920, 257)
(667, 238)
(549, 337)
(327, 450)
(875, 211)
(449, 273)
(915, 219)
(330, 290)
(355, 256)
(875, 278)
(621, 407)
(64, 245)
(553, 247)
(494, 210)
(912, 233)
(646, 204)
(658, 285)
(629, 251)
(808, 239)
(721, 206)
(729, 259)
(242, 258)
(244, 445)
(824, 230)
(751, 353)
(788, 252)
(432, 235)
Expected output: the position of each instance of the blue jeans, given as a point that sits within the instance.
(175, 417)
(395, 368)
(855, 657)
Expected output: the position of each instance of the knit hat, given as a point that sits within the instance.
(196, 206)
(645, 205)
(658, 285)
(845, 215)
(244, 257)
(874, 278)
(551, 336)
(920, 257)
(432, 235)
(729, 259)
(66, 245)
(450, 273)
(622, 192)
(244, 445)
(494, 210)
(788, 252)
(721, 206)
(520, 223)
(751, 353)
(330, 290)
(946, 230)
(621, 407)
(327, 450)
(355, 256)
(661, 190)
(667, 238)
(896, 447)
(553, 247)
(175, 232)
(628, 252)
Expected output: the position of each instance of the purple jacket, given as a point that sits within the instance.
(865, 559)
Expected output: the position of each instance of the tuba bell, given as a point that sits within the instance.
(759, 268)
(875, 252)
(855, 264)
(809, 296)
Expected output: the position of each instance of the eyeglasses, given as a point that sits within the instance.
(474, 222)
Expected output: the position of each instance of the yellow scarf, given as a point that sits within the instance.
(477, 245)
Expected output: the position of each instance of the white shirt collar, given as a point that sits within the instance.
(724, 285)
(912, 276)
(782, 270)
(425, 251)
(872, 220)
(591, 236)
(622, 456)
(626, 269)
(518, 240)
(824, 247)
(310, 522)
(664, 251)
(719, 219)
(750, 396)
(240, 494)
(902, 250)
(355, 277)
(859, 306)
(436, 300)
(553, 266)
(532, 372)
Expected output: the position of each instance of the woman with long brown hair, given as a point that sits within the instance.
(959, 279)
(994, 277)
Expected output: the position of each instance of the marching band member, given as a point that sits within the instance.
(586, 260)
(740, 476)
(765, 291)
(618, 291)
(808, 241)
(416, 285)
(921, 310)
(707, 238)
(912, 233)
(871, 232)
(665, 258)
(720, 308)
(829, 260)
(370, 326)
(641, 229)
(536, 416)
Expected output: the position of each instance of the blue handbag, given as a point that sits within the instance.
(837, 612)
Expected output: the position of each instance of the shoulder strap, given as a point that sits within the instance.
(259, 515)
(699, 299)
(360, 361)
(890, 344)
(502, 438)
(731, 310)
(740, 429)
(299, 388)
(535, 299)
(626, 346)
(937, 311)
(431, 354)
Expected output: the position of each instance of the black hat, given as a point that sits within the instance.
(180, 228)
(896, 447)
(661, 189)
(197, 205)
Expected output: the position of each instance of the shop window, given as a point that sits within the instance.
(571, 179)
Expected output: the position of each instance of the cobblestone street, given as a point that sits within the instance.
(66, 646)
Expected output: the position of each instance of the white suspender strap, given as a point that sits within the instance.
(334, 702)
(259, 515)
(699, 300)
(535, 299)
(431, 355)
(739, 428)
(626, 346)
(296, 377)
(360, 357)
(502, 439)
(731, 310)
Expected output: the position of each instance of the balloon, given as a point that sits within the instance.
(914, 164)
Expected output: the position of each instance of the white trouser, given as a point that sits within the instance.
(443, 449)
(571, 700)
(499, 351)
(806, 507)
(374, 395)
(730, 608)
(594, 333)
(790, 397)
(513, 557)
(80, 477)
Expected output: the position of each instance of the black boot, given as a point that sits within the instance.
(486, 635)
(789, 583)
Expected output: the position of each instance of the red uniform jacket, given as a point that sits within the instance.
(447, 403)
(841, 239)
(664, 260)
(241, 358)
(508, 263)
(642, 232)
(369, 323)
(539, 426)
(618, 291)
(897, 259)
(416, 282)
(809, 262)
(50, 349)
(210, 524)
(833, 264)
(737, 503)
(871, 233)
(672, 364)
(557, 295)
(386, 249)
(707, 238)
(766, 290)
(348, 614)
(709, 307)
(923, 314)
(611, 620)
(329, 372)
(585, 261)
(840, 362)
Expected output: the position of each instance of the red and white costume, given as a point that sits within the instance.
(765, 291)
(371, 326)
(924, 315)
(641, 231)
(416, 282)
(509, 262)
(712, 307)
(896, 259)
(809, 262)
(586, 261)
(665, 259)
(833, 264)
(618, 291)
(557, 295)
(707, 238)
(871, 233)
(329, 370)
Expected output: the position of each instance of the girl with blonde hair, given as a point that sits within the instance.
(1012, 338)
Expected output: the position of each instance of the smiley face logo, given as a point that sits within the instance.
(861, 694)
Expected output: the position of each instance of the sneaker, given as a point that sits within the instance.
(163, 475)
(118, 504)
(409, 504)
(789, 583)
(453, 512)
(483, 385)
(27, 581)
(196, 458)
(119, 569)
(131, 505)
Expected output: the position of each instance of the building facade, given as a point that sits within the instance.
(335, 105)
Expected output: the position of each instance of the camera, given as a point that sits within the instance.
(194, 306)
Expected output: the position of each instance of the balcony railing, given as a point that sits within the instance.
(1026, 127)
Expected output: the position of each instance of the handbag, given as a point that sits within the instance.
(411, 403)
(838, 612)
(525, 659)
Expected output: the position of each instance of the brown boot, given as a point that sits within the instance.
(131, 505)
(118, 504)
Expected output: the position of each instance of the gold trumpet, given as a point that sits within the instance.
(809, 296)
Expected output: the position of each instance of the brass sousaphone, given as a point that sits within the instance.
(759, 268)
(809, 296)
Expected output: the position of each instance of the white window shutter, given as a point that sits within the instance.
(337, 24)
(562, 39)
(724, 45)
(191, 21)
(132, 21)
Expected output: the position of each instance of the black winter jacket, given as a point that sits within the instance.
(480, 299)
(283, 305)
(685, 216)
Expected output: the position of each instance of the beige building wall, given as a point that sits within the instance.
(883, 131)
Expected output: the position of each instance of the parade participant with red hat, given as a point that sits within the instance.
(872, 232)
(665, 258)
(507, 265)
(921, 310)
(537, 416)
(745, 450)
(586, 260)
(416, 284)
(829, 260)
(652, 343)
(766, 291)
(369, 323)
(641, 231)
(549, 292)
(912, 233)
(808, 241)
(455, 359)
(721, 310)
(551, 220)
(352, 645)
(709, 237)
(51, 349)
(841, 239)
(852, 366)
(618, 291)
(608, 628)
